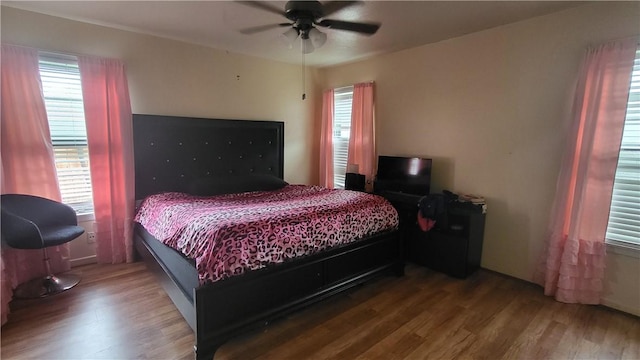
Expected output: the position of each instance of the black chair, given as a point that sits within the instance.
(32, 222)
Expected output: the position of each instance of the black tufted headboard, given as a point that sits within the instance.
(173, 152)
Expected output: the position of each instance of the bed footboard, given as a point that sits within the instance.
(230, 307)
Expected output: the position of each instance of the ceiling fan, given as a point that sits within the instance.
(305, 16)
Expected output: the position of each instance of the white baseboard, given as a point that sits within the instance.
(623, 308)
(83, 261)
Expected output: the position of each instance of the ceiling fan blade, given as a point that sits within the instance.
(257, 29)
(330, 7)
(262, 5)
(363, 28)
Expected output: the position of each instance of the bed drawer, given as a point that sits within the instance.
(363, 260)
(254, 298)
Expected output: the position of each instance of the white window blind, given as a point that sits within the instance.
(62, 90)
(342, 101)
(624, 217)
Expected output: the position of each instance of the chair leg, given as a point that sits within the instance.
(48, 285)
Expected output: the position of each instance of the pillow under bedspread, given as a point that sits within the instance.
(230, 234)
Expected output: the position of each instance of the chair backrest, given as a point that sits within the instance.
(25, 216)
(43, 212)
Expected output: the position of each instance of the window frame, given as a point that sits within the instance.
(628, 163)
(342, 108)
(62, 93)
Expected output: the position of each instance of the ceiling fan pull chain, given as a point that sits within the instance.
(304, 95)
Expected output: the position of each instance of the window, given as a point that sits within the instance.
(624, 216)
(342, 100)
(62, 90)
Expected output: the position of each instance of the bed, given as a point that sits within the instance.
(176, 156)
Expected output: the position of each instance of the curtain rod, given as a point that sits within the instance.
(344, 87)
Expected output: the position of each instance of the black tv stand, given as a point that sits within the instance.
(453, 246)
(401, 197)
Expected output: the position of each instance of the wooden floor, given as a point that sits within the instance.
(120, 312)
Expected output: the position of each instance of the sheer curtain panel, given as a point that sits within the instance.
(362, 150)
(572, 268)
(27, 162)
(110, 136)
(326, 140)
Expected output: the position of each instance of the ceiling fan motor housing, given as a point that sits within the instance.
(303, 14)
(296, 9)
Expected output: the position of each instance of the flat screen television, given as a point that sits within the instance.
(410, 175)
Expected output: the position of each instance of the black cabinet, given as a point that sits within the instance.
(453, 246)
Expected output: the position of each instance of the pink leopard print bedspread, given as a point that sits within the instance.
(230, 234)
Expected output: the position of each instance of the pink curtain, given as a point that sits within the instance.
(326, 140)
(27, 163)
(362, 150)
(573, 266)
(110, 135)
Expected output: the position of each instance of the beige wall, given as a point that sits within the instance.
(492, 110)
(174, 78)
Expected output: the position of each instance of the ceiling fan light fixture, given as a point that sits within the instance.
(289, 37)
(307, 46)
(317, 37)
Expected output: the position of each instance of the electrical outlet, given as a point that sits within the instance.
(91, 237)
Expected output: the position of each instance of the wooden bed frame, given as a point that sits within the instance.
(171, 153)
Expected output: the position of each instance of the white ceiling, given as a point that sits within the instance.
(215, 24)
